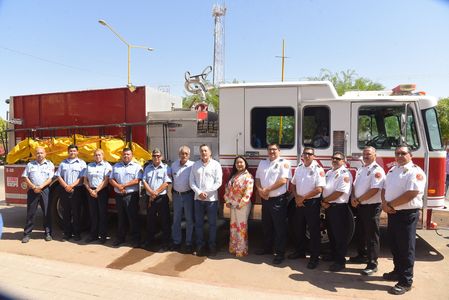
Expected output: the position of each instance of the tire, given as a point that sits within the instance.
(57, 209)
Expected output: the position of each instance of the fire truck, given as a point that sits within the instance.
(102, 113)
(310, 113)
(251, 115)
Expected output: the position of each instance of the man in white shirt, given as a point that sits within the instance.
(271, 182)
(368, 183)
(205, 180)
(401, 200)
(307, 185)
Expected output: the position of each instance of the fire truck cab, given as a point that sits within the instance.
(310, 113)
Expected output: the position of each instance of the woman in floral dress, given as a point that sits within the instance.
(238, 198)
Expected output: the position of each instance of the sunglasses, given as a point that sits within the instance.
(400, 153)
(307, 153)
(336, 158)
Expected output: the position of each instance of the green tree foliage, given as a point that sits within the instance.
(281, 130)
(443, 118)
(211, 99)
(347, 81)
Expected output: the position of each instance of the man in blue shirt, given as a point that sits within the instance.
(38, 175)
(125, 177)
(69, 175)
(155, 180)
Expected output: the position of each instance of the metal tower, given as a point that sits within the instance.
(218, 12)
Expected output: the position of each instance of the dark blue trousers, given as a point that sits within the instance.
(33, 200)
(337, 216)
(308, 216)
(98, 210)
(402, 234)
(159, 210)
(71, 204)
(274, 223)
(368, 216)
(128, 211)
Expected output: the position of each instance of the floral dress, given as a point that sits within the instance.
(238, 194)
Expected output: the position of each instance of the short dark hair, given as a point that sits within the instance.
(341, 154)
(72, 146)
(273, 144)
(403, 145)
(309, 148)
(126, 149)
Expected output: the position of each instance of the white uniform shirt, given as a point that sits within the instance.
(308, 178)
(401, 179)
(268, 172)
(181, 175)
(339, 180)
(206, 178)
(369, 177)
(96, 172)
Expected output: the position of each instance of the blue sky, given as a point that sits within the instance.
(55, 45)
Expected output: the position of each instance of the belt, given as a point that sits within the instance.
(181, 193)
(277, 197)
(337, 204)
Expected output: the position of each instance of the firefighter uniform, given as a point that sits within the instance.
(402, 224)
(71, 170)
(369, 177)
(127, 203)
(38, 173)
(306, 179)
(98, 207)
(338, 213)
(274, 210)
(155, 176)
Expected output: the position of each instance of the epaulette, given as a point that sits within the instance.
(375, 166)
(300, 164)
(281, 159)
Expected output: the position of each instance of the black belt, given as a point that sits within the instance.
(337, 204)
(181, 193)
(277, 197)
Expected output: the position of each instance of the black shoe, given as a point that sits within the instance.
(212, 251)
(164, 248)
(327, 257)
(369, 270)
(188, 249)
(296, 255)
(199, 251)
(77, 238)
(102, 240)
(135, 245)
(358, 259)
(118, 242)
(25, 239)
(175, 247)
(66, 237)
(391, 276)
(336, 267)
(399, 289)
(278, 259)
(90, 239)
(263, 252)
(48, 238)
(312, 264)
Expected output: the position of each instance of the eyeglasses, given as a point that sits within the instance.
(401, 153)
(273, 149)
(337, 158)
(307, 153)
(156, 155)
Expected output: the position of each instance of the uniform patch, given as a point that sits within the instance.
(322, 173)
(369, 173)
(405, 171)
(419, 177)
(346, 179)
(378, 175)
(286, 166)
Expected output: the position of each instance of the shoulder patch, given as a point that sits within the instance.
(419, 177)
(346, 179)
(286, 165)
(377, 175)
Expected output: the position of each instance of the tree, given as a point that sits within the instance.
(3, 127)
(443, 118)
(347, 81)
(211, 99)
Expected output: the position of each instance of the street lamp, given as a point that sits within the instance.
(130, 86)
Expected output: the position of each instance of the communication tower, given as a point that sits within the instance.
(218, 12)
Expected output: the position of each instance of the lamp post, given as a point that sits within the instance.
(130, 86)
